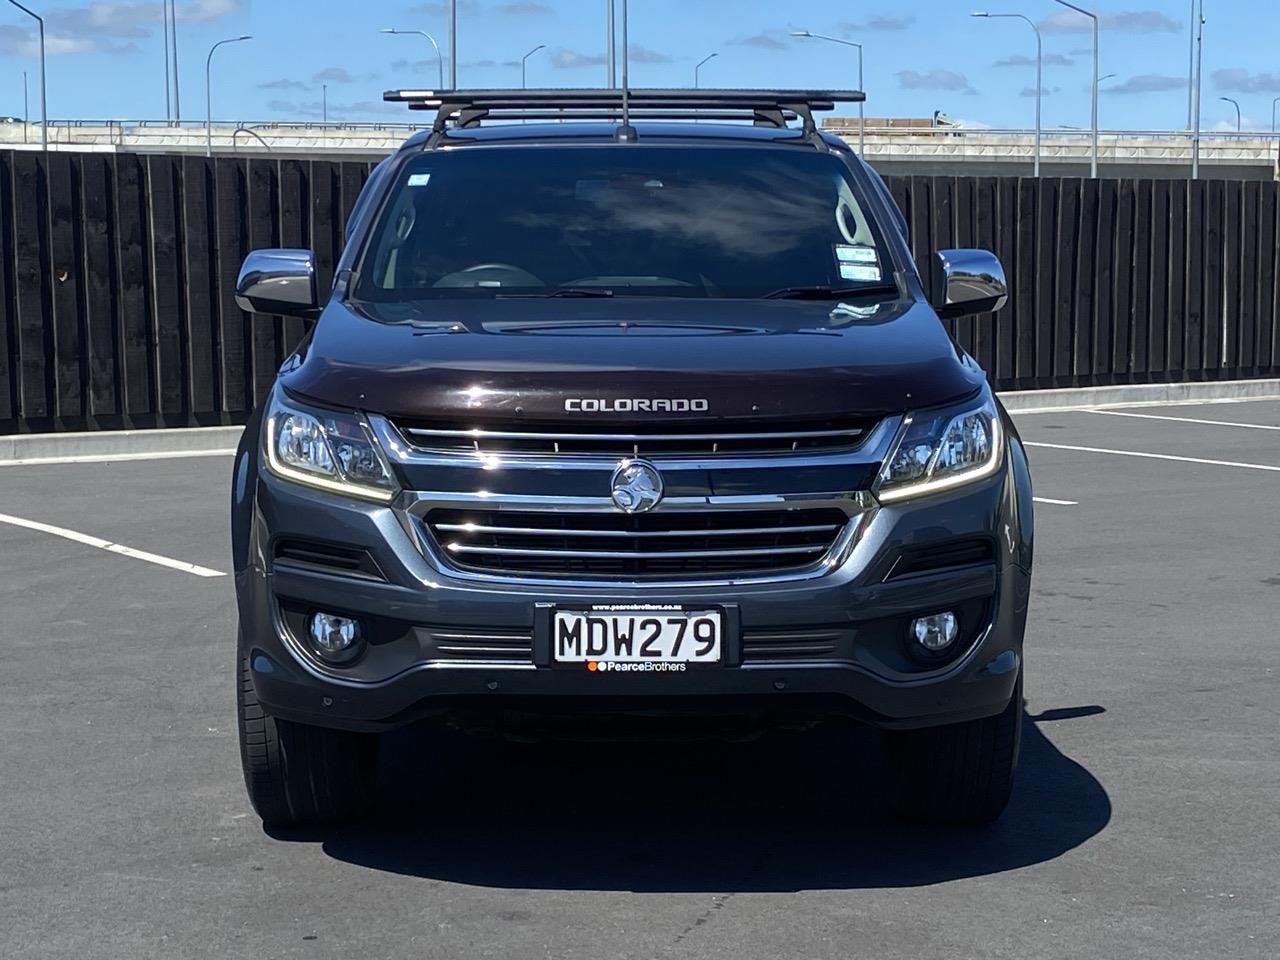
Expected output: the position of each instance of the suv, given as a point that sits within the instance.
(650, 419)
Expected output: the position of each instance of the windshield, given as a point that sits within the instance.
(636, 221)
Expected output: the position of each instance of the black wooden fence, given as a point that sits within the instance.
(116, 273)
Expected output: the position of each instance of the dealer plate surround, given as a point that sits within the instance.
(627, 637)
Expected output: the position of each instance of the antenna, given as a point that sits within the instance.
(626, 133)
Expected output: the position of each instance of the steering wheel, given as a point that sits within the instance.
(490, 274)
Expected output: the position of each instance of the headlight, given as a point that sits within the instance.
(944, 448)
(326, 449)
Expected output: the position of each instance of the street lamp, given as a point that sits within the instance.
(698, 69)
(208, 92)
(1235, 104)
(525, 59)
(1093, 166)
(324, 103)
(423, 33)
(44, 110)
(862, 119)
(26, 110)
(1039, 70)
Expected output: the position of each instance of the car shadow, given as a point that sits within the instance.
(786, 812)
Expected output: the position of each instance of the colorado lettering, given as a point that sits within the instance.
(634, 405)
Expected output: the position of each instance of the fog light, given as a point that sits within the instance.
(335, 638)
(935, 632)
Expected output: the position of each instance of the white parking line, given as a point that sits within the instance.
(117, 457)
(111, 547)
(1057, 503)
(1155, 456)
(1131, 404)
(1211, 423)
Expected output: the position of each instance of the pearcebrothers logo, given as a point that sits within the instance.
(640, 666)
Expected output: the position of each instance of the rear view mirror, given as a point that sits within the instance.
(279, 281)
(967, 282)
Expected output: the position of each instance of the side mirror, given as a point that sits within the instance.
(279, 281)
(967, 282)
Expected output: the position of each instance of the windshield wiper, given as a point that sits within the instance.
(561, 292)
(829, 293)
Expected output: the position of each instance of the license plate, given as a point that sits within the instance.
(626, 638)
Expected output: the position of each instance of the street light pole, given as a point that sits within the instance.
(524, 60)
(44, 103)
(1191, 68)
(168, 80)
(1195, 131)
(862, 117)
(1236, 104)
(26, 110)
(612, 43)
(1273, 125)
(453, 44)
(698, 69)
(1093, 165)
(208, 92)
(1039, 71)
(324, 103)
(435, 46)
(177, 102)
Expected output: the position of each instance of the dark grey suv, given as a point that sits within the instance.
(628, 415)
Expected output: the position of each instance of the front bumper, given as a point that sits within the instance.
(860, 668)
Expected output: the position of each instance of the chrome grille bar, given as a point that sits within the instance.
(576, 441)
(558, 436)
(693, 544)
(559, 532)
(632, 555)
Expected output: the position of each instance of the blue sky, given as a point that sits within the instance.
(106, 57)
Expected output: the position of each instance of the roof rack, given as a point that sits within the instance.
(763, 107)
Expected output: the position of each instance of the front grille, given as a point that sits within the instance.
(753, 438)
(666, 543)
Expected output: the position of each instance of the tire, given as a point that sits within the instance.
(300, 775)
(960, 774)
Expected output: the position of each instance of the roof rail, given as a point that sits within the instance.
(763, 107)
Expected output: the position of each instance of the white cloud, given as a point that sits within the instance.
(1239, 80)
(101, 25)
(571, 59)
(1126, 21)
(934, 80)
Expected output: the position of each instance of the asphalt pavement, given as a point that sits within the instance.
(1144, 822)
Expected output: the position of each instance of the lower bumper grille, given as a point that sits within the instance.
(491, 646)
(797, 645)
(569, 544)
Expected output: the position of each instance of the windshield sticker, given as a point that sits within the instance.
(849, 311)
(419, 179)
(859, 271)
(854, 253)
